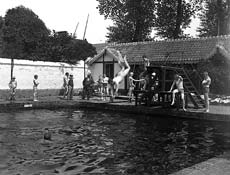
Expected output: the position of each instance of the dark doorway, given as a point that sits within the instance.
(109, 70)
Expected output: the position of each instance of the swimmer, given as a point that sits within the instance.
(47, 134)
(125, 68)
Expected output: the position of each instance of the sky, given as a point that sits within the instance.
(64, 15)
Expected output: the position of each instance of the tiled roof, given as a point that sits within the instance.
(112, 52)
(174, 51)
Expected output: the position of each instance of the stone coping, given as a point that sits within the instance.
(214, 166)
(219, 113)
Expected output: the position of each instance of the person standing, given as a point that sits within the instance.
(87, 86)
(105, 86)
(206, 84)
(35, 87)
(178, 81)
(100, 86)
(119, 77)
(65, 84)
(12, 86)
(146, 62)
(70, 87)
(132, 86)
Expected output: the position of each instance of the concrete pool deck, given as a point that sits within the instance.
(214, 166)
(217, 112)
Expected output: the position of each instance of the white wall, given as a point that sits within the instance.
(50, 74)
(97, 69)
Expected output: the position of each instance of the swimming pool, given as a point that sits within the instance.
(95, 142)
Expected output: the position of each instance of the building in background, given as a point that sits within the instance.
(186, 53)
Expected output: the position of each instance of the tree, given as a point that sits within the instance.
(133, 20)
(80, 48)
(172, 17)
(22, 31)
(62, 47)
(215, 18)
(1, 41)
(25, 36)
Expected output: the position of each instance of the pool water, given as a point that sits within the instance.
(94, 142)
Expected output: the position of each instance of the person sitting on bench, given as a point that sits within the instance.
(178, 81)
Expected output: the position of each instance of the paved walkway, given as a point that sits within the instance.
(214, 166)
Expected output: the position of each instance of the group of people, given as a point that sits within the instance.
(68, 86)
(104, 86)
(149, 82)
(13, 86)
(178, 82)
(109, 86)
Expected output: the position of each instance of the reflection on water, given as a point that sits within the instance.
(92, 142)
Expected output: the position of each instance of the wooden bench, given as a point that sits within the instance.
(138, 97)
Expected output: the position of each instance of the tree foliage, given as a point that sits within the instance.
(133, 20)
(25, 36)
(61, 46)
(172, 17)
(22, 31)
(215, 18)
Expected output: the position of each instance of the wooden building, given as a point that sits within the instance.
(186, 53)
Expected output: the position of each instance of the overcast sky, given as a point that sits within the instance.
(63, 15)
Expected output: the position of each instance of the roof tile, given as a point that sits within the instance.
(190, 50)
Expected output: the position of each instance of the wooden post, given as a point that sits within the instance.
(84, 69)
(12, 68)
(103, 64)
(163, 79)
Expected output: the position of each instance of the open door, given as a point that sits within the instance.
(109, 70)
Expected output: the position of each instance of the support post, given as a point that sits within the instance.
(163, 79)
(12, 68)
(84, 69)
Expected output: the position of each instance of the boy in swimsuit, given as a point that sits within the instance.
(123, 72)
(47, 134)
(70, 88)
(100, 86)
(132, 86)
(105, 83)
(206, 84)
(35, 87)
(178, 81)
(12, 86)
(65, 84)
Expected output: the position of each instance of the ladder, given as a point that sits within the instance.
(189, 88)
